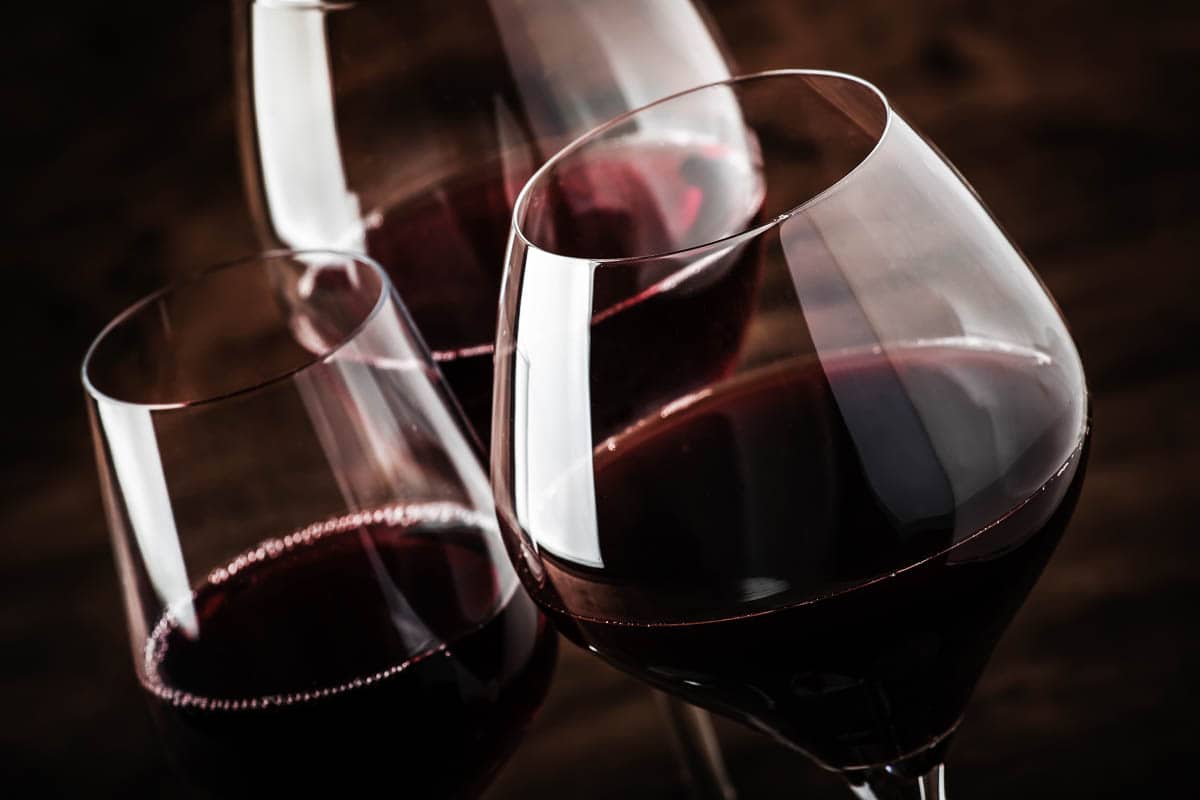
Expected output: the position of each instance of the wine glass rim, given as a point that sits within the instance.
(731, 239)
(204, 273)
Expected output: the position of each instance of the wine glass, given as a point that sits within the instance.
(818, 522)
(405, 129)
(317, 593)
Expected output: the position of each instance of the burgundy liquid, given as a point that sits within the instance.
(752, 563)
(377, 650)
(445, 253)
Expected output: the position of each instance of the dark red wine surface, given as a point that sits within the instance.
(751, 562)
(445, 253)
(372, 651)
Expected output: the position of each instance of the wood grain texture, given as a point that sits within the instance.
(1077, 121)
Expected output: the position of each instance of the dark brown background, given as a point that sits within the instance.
(1077, 121)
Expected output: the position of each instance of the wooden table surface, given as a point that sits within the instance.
(1077, 121)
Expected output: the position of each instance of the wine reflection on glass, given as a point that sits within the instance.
(810, 500)
(318, 597)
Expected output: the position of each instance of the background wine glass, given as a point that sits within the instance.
(406, 129)
(317, 594)
(820, 528)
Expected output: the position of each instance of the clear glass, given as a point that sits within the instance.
(783, 422)
(317, 594)
(404, 129)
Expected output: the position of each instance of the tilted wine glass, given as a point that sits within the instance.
(318, 598)
(783, 422)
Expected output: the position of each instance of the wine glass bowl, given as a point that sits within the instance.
(404, 130)
(316, 590)
(830, 485)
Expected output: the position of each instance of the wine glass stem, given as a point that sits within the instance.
(886, 784)
(697, 748)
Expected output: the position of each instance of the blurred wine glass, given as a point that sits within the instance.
(404, 129)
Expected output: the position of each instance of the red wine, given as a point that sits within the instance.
(445, 250)
(756, 558)
(381, 649)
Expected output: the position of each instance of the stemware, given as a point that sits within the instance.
(318, 597)
(404, 130)
(784, 424)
